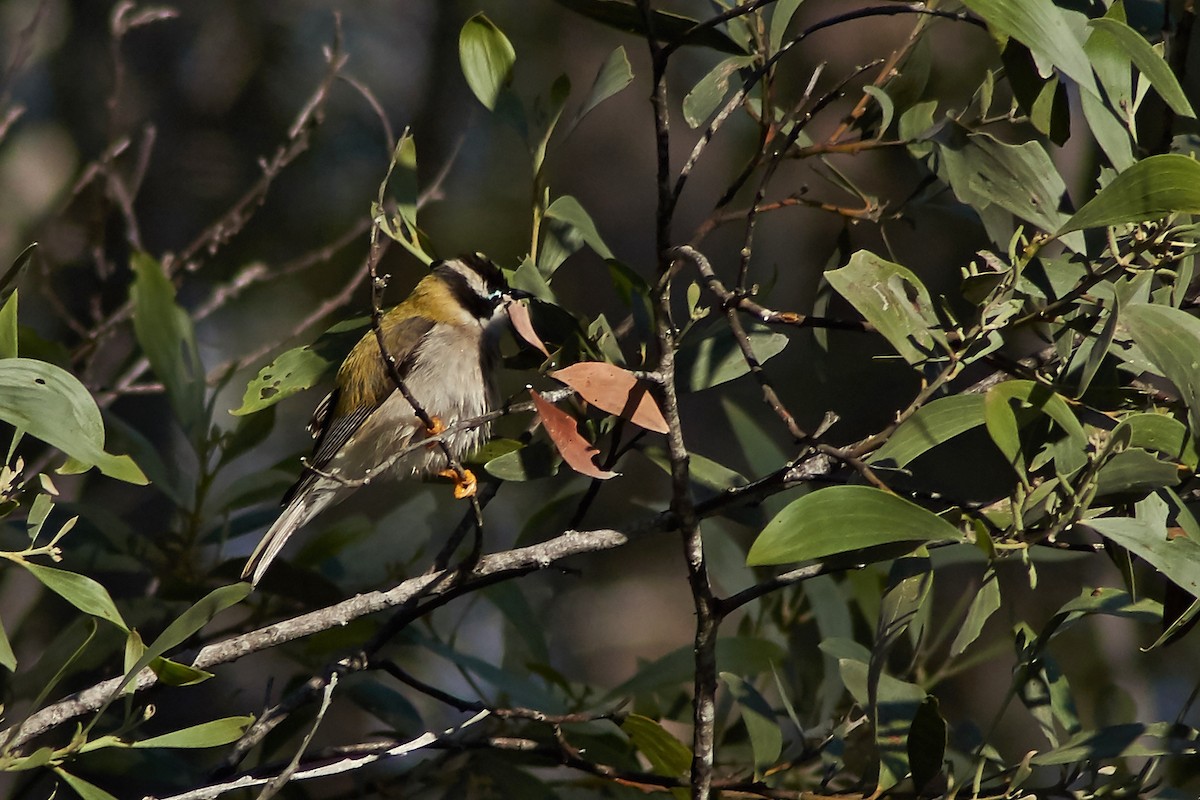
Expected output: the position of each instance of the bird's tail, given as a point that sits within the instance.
(302, 508)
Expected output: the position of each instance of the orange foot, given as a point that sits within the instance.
(465, 485)
(436, 426)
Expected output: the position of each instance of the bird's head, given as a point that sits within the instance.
(477, 285)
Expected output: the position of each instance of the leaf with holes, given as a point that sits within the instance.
(50, 404)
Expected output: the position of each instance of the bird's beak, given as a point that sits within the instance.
(518, 294)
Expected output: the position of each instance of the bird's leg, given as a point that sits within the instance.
(436, 426)
(465, 485)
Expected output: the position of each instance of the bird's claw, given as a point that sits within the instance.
(436, 426)
(465, 485)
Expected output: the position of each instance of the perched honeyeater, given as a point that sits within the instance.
(444, 339)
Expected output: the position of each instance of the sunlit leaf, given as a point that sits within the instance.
(1151, 189)
(934, 423)
(1148, 62)
(50, 404)
(985, 603)
(207, 734)
(666, 754)
(893, 300)
(165, 334)
(709, 91)
(1170, 338)
(766, 739)
(79, 590)
(843, 519)
(487, 58)
(614, 75)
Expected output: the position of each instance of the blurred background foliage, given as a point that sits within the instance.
(210, 139)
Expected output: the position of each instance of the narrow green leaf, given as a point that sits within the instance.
(781, 14)
(300, 368)
(8, 327)
(886, 107)
(85, 790)
(487, 58)
(895, 301)
(1135, 470)
(531, 462)
(766, 739)
(164, 332)
(50, 404)
(1170, 339)
(1122, 741)
(1150, 189)
(844, 519)
(172, 673)
(1161, 434)
(1148, 62)
(1177, 557)
(709, 91)
(188, 623)
(668, 27)
(8, 659)
(985, 603)
(567, 209)
(613, 76)
(933, 424)
(79, 590)
(926, 743)
(1003, 424)
(207, 734)
(666, 754)
(703, 363)
(1041, 27)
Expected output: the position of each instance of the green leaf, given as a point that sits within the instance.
(985, 603)
(1135, 470)
(401, 183)
(8, 327)
(781, 14)
(207, 734)
(1176, 556)
(85, 790)
(172, 673)
(567, 209)
(1003, 423)
(844, 519)
(1019, 178)
(893, 300)
(710, 90)
(79, 590)
(531, 462)
(701, 470)
(1161, 434)
(487, 58)
(299, 368)
(1122, 741)
(766, 739)
(666, 754)
(933, 424)
(1042, 28)
(8, 659)
(703, 363)
(165, 334)
(614, 75)
(1150, 189)
(1170, 339)
(188, 623)
(926, 743)
(1148, 62)
(668, 27)
(48, 403)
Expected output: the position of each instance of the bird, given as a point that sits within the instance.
(444, 338)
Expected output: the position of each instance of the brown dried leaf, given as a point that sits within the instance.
(615, 390)
(575, 450)
(523, 325)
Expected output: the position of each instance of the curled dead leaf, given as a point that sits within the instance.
(615, 390)
(523, 325)
(575, 450)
